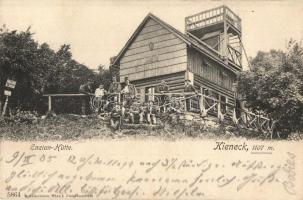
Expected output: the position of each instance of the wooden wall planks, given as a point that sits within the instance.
(154, 52)
(209, 70)
(200, 81)
(175, 81)
(154, 72)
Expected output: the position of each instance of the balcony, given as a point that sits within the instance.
(215, 16)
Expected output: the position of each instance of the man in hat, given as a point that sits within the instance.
(116, 115)
(162, 88)
(129, 91)
(100, 93)
(114, 89)
(189, 88)
(115, 86)
(151, 113)
(86, 88)
(135, 112)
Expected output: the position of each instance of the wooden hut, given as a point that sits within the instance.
(209, 53)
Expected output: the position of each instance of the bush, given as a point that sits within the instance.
(20, 117)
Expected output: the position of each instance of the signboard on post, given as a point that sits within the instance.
(10, 84)
(7, 93)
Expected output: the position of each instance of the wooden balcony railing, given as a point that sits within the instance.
(212, 16)
(234, 55)
(210, 106)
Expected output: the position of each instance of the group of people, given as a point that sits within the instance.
(122, 102)
(132, 110)
(101, 94)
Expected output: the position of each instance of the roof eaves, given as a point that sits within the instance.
(173, 30)
(131, 39)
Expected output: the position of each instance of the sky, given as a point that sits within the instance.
(98, 29)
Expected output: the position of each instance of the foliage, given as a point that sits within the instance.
(75, 127)
(37, 69)
(274, 86)
(105, 75)
(20, 117)
(63, 127)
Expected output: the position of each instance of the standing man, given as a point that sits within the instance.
(100, 93)
(86, 89)
(162, 88)
(114, 88)
(189, 88)
(129, 92)
(151, 113)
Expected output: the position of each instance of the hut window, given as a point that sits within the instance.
(223, 79)
(207, 72)
(141, 93)
(220, 78)
(150, 94)
(206, 69)
(223, 101)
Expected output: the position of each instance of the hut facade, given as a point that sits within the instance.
(209, 53)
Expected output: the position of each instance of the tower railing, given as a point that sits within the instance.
(234, 55)
(212, 16)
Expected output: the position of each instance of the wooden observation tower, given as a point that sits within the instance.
(220, 28)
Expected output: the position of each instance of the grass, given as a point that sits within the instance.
(73, 127)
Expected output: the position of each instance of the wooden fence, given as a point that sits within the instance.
(51, 96)
(203, 104)
(210, 106)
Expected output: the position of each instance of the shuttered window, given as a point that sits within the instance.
(150, 94)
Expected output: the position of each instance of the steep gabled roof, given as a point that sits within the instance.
(189, 39)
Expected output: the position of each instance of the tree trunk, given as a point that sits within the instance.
(1, 100)
(2, 88)
(1, 103)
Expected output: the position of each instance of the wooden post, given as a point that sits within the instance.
(0, 106)
(83, 105)
(243, 113)
(225, 36)
(226, 105)
(201, 100)
(185, 104)
(5, 105)
(219, 109)
(49, 103)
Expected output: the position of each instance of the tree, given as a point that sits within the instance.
(17, 60)
(105, 74)
(38, 69)
(275, 86)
